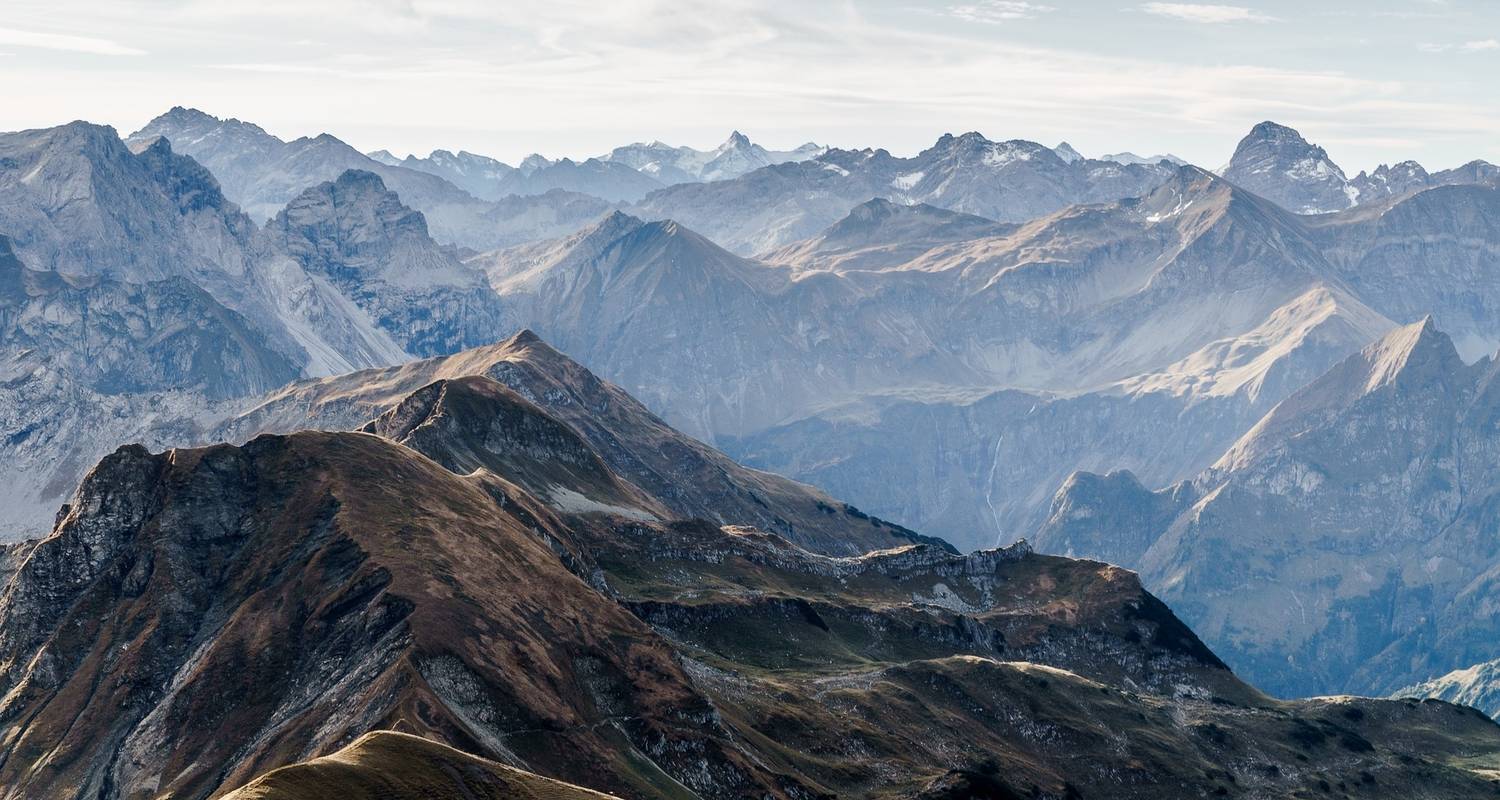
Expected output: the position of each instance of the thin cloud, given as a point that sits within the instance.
(1206, 14)
(66, 42)
(1477, 46)
(996, 11)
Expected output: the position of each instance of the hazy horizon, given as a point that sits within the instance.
(1372, 82)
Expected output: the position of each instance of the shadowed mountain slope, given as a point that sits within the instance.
(198, 617)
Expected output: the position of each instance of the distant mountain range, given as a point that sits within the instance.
(262, 173)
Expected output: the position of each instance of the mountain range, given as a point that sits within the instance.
(262, 173)
(977, 364)
(942, 341)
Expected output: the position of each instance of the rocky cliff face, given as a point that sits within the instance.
(1341, 544)
(1276, 163)
(358, 236)
(198, 617)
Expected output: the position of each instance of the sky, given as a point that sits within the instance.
(1372, 81)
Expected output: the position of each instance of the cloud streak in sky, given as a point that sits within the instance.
(997, 11)
(1206, 14)
(65, 42)
(1476, 46)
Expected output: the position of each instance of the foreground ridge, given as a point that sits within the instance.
(471, 569)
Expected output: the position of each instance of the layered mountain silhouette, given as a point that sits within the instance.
(1006, 181)
(262, 173)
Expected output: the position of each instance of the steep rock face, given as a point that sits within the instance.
(118, 338)
(1275, 162)
(1135, 515)
(359, 236)
(77, 201)
(1343, 544)
(87, 359)
(198, 617)
(1005, 181)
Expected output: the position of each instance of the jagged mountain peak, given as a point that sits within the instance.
(385, 157)
(1411, 358)
(51, 151)
(612, 226)
(619, 228)
(1271, 131)
(534, 162)
(355, 226)
(1276, 162)
(192, 121)
(475, 422)
(1418, 346)
(872, 210)
(346, 202)
(1067, 153)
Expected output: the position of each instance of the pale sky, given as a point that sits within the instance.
(1371, 80)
